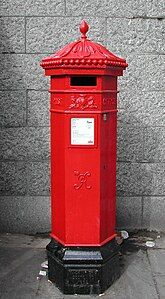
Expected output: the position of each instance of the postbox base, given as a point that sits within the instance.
(83, 270)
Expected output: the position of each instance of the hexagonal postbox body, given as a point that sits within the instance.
(83, 143)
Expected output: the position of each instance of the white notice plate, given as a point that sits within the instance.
(82, 131)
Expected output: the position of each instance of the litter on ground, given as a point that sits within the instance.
(150, 244)
(42, 273)
(124, 234)
(45, 265)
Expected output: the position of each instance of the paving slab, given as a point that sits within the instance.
(23, 241)
(9, 240)
(19, 271)
(160, 282)
(157, 260)
(136, 281)
(160, 241)
(21, 257)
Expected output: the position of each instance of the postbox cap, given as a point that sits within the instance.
(83, 53)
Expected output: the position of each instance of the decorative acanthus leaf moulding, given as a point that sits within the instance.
(56, 101)
(83, 52)
(83, 102)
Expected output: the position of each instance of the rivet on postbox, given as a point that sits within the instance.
(104, 116)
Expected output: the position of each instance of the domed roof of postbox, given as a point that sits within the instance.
(83, 53)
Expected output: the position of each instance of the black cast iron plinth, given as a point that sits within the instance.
(83, 270)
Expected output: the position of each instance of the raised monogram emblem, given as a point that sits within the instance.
(82, 180)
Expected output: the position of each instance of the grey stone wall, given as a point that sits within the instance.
(31, 30)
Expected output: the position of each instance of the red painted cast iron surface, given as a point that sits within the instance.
(83, 177)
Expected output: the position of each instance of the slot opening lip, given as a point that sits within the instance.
(83, 80)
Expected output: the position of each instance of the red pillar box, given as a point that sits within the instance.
(83, 254)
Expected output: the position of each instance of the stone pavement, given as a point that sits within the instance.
(143, 269)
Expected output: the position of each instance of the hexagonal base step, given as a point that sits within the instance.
(83, 270)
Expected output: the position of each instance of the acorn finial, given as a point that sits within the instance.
(84, 28)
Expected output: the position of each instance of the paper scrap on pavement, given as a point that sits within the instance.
(45, 265)
(43, 273)
(150, 244)
(124, 234)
